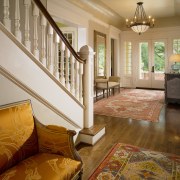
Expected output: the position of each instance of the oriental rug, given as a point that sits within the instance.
(138, 104)
(132, 163)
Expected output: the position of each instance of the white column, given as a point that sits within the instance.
(72, 90)
(35, 36)
(87, 53)
(27, 42)
(50, 49)
(76, 79)
(62, 49)
(67, 68)
(43, 40)
(17, 31)
(56, 57)
(80, 82)
(6, 20)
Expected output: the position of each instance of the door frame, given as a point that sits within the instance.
(151, 83)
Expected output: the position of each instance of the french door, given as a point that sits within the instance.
(151, 64)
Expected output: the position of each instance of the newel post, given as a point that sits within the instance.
(86, 52)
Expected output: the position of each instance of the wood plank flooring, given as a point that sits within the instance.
(163, 136)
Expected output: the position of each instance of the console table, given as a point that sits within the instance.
(172, 88)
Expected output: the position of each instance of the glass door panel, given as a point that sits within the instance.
(159, 60)
(144, 61)
(144, 75)
(151, 64)
(159, 63)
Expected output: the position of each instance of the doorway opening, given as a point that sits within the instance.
(112, 57)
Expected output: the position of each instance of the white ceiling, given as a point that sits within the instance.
(165, 12)
(155, 8)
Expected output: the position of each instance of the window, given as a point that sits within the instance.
(176, 46)
(69, 37)
(128, 58)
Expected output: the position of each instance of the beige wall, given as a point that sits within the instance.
(44, 2)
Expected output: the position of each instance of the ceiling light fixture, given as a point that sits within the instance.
(140, 23)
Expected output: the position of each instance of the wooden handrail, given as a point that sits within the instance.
(58, 31)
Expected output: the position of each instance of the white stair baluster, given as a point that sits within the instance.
(62, 48)
(77, 79)
(35, 36)
(43, 40)
(56, 57)
(6, 20)
(50, 49)
(67, 68)
(80, 82)
(17, 31)
(27, 42)
(72, 75)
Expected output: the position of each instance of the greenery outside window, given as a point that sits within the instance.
(144, 61)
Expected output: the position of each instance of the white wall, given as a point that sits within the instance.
(44, 2)
(21, 67)
(110, 32)
(71, 15)
(167, 34)
(114, 33)
(67, 13)
(82, 37)
(10, 93)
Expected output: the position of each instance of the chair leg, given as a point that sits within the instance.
(80, 175)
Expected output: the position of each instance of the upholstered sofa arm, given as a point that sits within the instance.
(56, 140)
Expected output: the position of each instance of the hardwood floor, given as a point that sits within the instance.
(163, 136)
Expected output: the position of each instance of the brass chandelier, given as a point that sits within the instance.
(140, 23)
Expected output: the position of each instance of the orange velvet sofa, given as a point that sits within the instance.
(32, 151)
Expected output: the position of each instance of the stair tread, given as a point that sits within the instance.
(92, 131)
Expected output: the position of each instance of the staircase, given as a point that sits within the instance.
(38, 63)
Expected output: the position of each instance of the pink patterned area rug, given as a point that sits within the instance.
(138, 104)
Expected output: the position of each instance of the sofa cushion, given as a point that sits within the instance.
(43, 166)
(113, 84)
(109, 85)
(18, 138)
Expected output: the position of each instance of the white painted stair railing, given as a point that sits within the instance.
(38, 32)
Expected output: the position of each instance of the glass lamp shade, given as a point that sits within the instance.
(141, 28)
(175, 58)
